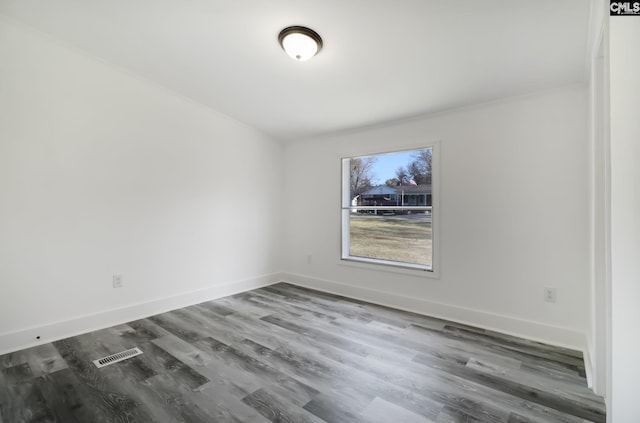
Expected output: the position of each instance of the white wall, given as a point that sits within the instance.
(103, 173)
(624, 68)
(514, 216)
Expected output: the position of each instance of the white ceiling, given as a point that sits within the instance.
(382, 59)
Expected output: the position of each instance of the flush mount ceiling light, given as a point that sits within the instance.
(300, 43)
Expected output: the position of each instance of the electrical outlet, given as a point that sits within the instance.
(309, 258)
(118, 281)
(550, 295)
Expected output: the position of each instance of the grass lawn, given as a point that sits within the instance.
(391, 238)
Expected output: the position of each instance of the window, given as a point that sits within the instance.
(388, 208)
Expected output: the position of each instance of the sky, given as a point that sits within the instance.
(387, 164)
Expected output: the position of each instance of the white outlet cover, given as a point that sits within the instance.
(118, 281)
(550, 295)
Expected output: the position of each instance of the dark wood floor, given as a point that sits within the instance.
(288, 354)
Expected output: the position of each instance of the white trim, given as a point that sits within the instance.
(402, 208)
(25, 338)
(436, 207)
(588, 367)
(384, 264)
(346, 208)
(599, 200)
(536, 331)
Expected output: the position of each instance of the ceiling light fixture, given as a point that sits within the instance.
(300, 43)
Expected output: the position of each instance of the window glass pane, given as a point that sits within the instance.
(377, 177)
(405, 238)
(387, 201)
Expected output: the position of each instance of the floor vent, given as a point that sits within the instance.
(114, 358)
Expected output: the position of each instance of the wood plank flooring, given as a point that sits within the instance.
(289, 354)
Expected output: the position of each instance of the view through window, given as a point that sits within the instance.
(387, 208)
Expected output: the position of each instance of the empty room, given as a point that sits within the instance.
(338, 211)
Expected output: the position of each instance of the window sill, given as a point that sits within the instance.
(389, 266)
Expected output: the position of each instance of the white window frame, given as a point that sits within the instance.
(432, 271)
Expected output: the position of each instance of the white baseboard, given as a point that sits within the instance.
(564, 337)
(588, 367)
(596, 376)
(536, 331)
(25, 338)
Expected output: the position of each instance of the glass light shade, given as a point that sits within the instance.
(300, 43)
(299, 46)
